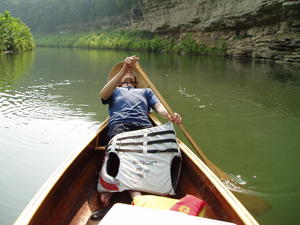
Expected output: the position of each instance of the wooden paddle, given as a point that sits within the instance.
(256, 203)
(222, 175)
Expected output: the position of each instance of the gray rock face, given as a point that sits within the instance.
(263, 29)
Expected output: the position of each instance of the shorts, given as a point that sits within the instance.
(123, 127)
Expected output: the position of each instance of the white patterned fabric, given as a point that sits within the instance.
(147, 160)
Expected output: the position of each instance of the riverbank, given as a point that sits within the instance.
(147, 41)
(131, 40)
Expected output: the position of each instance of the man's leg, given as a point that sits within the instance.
(134, 194)
(105, 198)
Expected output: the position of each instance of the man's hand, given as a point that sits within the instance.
(161, 110)
(130, 62)
(175, 119)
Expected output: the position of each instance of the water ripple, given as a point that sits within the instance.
(241, 102)
(37, 102)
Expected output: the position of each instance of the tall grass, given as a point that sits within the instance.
(131, 40)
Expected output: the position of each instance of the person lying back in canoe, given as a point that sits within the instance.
(129, 104)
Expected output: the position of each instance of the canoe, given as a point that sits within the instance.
(69, 196)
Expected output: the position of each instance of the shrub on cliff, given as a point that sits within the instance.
(14, 34)
(190, 46)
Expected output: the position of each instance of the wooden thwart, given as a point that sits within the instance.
(100, 148)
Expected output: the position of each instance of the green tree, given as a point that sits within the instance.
(14, 34)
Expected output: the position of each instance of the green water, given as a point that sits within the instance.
(244, 115)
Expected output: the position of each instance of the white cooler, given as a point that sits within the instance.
(134, 215)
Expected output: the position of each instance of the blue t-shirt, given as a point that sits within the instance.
(130, 105)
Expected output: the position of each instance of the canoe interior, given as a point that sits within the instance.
(74, 195)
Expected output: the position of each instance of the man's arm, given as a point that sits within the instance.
(161, 110)
(111, 85)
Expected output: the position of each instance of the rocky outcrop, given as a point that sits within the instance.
(261, 29)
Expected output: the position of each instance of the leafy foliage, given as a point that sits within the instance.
(14, 34)
(131, 40)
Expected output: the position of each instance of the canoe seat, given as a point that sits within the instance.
(100, 148)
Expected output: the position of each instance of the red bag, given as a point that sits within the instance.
(190, 205)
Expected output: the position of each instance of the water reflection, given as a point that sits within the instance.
(14, 66)
(284, 75)
(45, 115)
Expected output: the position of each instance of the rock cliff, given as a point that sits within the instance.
(261, 29)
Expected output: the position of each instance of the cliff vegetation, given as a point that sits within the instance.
(131, 40)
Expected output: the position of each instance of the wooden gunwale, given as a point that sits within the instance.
(39, 198)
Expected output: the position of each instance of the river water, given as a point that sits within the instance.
(244, 115)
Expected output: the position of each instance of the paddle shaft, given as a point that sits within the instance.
(171, 112)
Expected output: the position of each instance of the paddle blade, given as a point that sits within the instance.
(253, 203)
